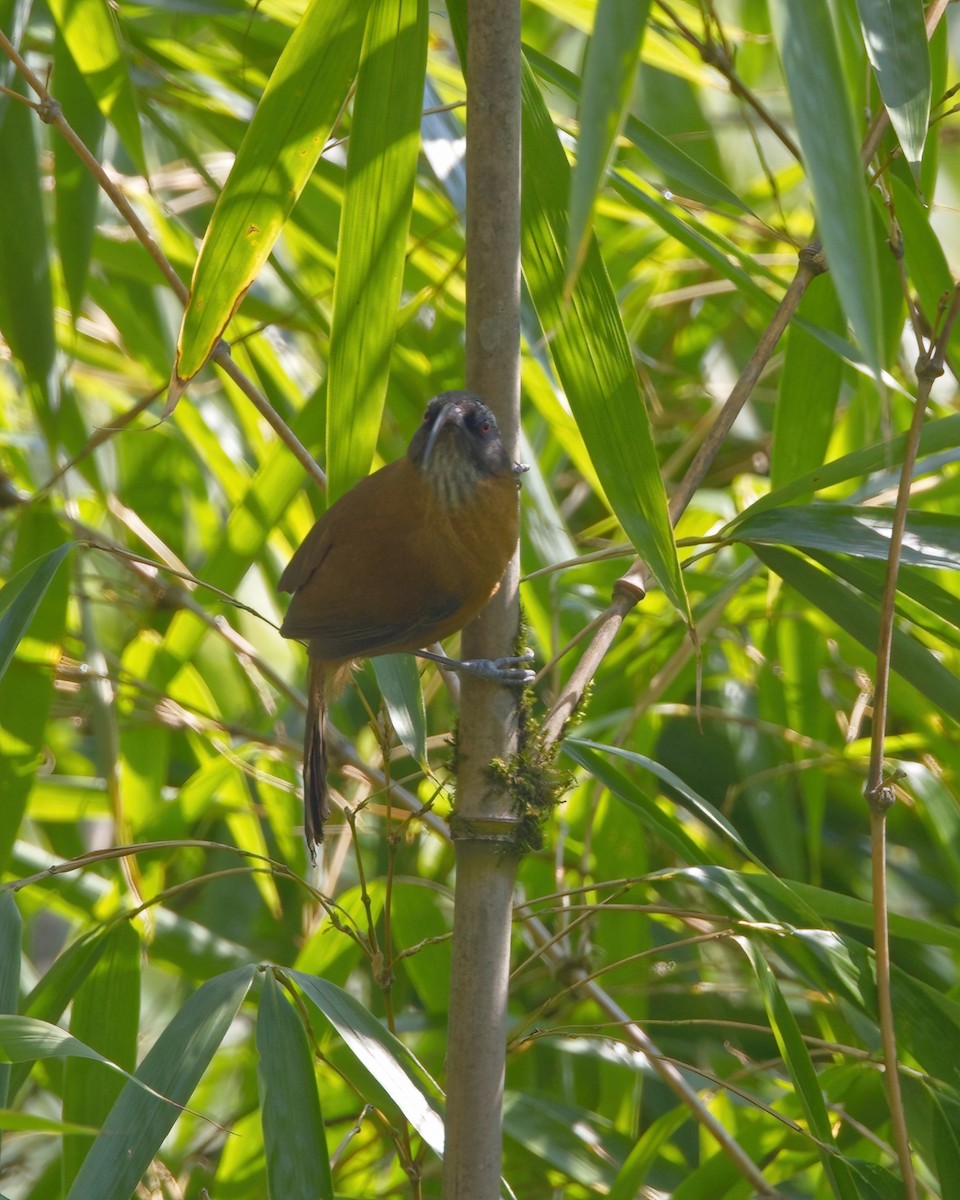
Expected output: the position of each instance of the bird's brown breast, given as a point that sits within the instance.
(390, 567)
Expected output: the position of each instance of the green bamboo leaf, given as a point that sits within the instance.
(38, 603)
(105, 1016)
(11, 933)
(657, 822)
(26, 299)
(896, 41)
(938, 445)
(89, 28)
(927, 264)
(77, 192)
(399, 681)
(853, 612)
(30, 1123)
(56, 988)
(563, 1136)
(809, 387)
(833, 908)
(298, 1166)
(140, 1119)
(14, 15)
(802, 1071)
(20, 599)
(686, 172)
(279, 150)
(609, 69)
(385, 1057)
(638, 1163)
(25, 1039)
(811, 65)
(590, 351)
(930, 539)
(381, 172)
(946, 1140)
(423, 916)
(690, 799)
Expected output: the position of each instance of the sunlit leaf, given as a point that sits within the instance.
(281, 147)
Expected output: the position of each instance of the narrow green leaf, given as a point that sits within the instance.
(937, 438)
(371, 249)
(385, 1057)
(30, 1123)
(930, 539)
(690, 799)
(639, 1162)
(11, 933)
(89, 28)
(861, 620)
(696, 180)
(399, 682)
(590, 351)
(811, 65)
(14, 15)
(609, 69)
(298, 1166)
(20, 599)
(106, 1016)
(659, 823)
(798, 1062)
(26, 685)
(927, 265)
(275, 159)
(809, 387)
(422, 913)
(25, 1039)
(896, 41)
(77, 192)
(26, 299)
(139, 1120)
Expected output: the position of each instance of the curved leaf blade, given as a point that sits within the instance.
(609, 69)
(590, 351)
(855, 614)
(811, 65)
(140, 1120)
(930, 539)
(375, 218)
(896, 42)
(90, 31)
(386, 1058)
(20, 599)
(280, 149)
(298, 1166)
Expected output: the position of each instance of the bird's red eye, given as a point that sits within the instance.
(484, 426)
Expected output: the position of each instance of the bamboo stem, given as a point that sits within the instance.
(484, 820)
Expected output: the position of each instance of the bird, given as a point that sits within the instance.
(406, 557)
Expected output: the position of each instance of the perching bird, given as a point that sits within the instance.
(408, 556)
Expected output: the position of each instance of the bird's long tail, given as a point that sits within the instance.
(316, 798)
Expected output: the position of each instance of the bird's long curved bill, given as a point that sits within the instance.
(450, 413)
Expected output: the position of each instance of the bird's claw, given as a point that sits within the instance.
(510, 670)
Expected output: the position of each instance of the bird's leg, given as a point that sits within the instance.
(494, 670)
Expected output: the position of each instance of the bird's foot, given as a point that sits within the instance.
(510, 670)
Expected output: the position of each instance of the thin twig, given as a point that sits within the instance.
(716, 56)
(880, 795)
(663, 1066)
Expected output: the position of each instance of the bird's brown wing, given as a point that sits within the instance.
(359, 638)
(308, 556)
